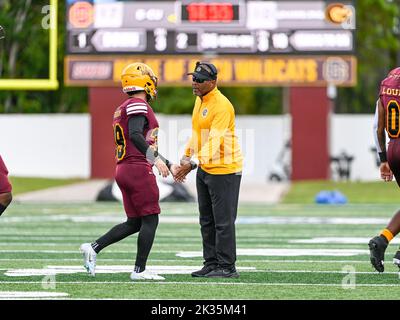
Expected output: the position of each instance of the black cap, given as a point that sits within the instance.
(204, 71)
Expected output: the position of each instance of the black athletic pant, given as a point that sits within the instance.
(146, 226)
(218, 201)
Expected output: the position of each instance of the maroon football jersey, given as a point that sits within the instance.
(5, 185)
(125, 149)
(389, 95)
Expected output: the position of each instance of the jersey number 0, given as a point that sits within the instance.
(392, 119)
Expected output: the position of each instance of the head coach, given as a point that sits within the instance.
(219, 159)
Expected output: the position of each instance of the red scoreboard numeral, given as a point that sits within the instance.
(225, 12)
(202, 12)
(212, 12)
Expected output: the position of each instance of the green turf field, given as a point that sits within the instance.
(356, 192)
(285, 251)
(23, 184)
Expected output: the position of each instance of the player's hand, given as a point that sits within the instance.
(182, 172)
(174, 170)
(161, 167)
(386, 173)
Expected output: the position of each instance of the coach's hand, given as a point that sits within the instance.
(386, 173)
(174, 170)
(161, 167)
(184, 160)
(182, 172)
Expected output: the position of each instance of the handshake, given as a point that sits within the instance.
(179, 172)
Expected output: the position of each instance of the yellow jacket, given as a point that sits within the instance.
(213, 139)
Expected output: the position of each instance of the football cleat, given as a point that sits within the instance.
(202, 272)
(89, 258)
(145, 275)
(377, 247)
(396, 259)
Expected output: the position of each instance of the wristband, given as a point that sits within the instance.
(193, 165)
(383, 156)
(156, 159)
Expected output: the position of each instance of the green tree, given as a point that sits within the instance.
(377, 45)
(24, 54)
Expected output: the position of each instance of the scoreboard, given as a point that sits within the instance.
(223, 27)
(107, 29)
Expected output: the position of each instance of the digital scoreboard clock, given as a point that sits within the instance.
(210, 12)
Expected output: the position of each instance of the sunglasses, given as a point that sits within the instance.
(198, 80)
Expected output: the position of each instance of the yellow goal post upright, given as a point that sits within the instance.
(40, 84)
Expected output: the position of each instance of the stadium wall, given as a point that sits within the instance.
(59, 146)
(54, 146)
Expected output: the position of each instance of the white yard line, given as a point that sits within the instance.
(161, 269)
(284, 252)
(205, 283)
(336, 240)
(31, 294)
(187, 260)
(106, 269)
(80, 259)
(240, 252)
(321, 271)
(52, 244)
(195, 220)
(75, 251)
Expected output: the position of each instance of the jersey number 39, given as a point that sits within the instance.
(120, 142)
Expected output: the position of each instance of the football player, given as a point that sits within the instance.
(5, 187)
(387, 118)
(136, 138)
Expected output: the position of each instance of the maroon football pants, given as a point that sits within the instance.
(139, 189)
(393, 156)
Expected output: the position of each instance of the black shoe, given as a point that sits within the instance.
(377, 247)
(223, 273)
(396, 259)
(204, 271)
